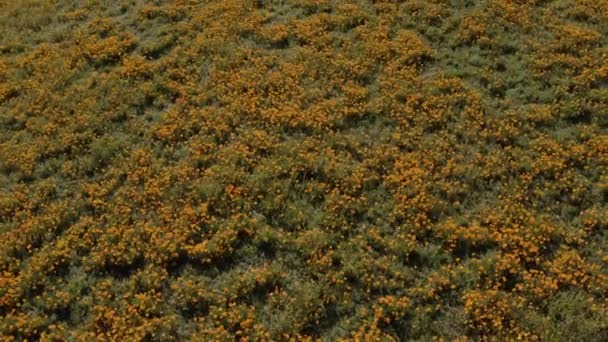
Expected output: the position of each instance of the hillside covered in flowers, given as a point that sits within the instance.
(302, 170)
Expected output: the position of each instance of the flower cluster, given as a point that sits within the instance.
(304, 170)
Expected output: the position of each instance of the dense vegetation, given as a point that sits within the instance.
(304, 169)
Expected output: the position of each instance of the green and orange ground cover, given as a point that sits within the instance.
(304, 170)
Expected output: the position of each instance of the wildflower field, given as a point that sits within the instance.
(303, 170)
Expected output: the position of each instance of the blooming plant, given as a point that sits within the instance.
(304, 170)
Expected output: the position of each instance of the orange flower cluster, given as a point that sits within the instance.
(304, 170)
